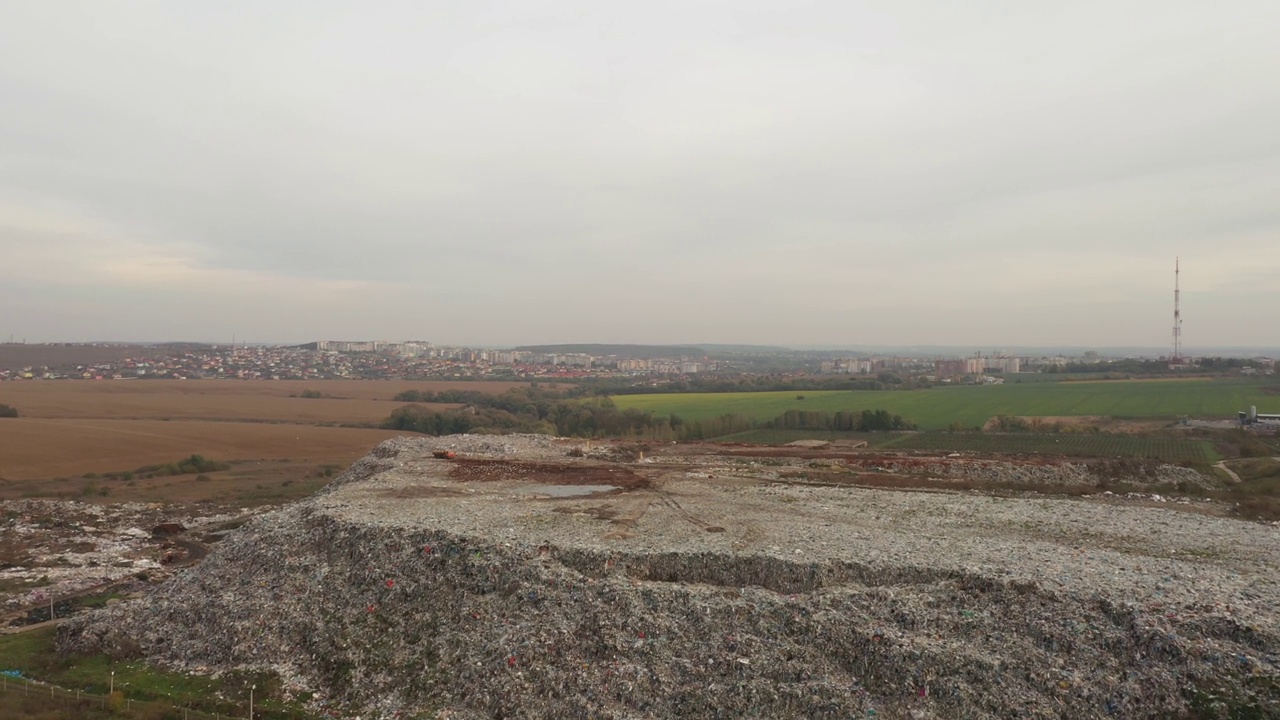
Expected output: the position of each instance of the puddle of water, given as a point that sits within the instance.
(567, 490)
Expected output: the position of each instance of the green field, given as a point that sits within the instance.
(972, 405)
(152, 692)
(770, 436)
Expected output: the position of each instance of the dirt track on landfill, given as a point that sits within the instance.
(483, 470)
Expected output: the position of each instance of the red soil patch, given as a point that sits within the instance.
(474, 470)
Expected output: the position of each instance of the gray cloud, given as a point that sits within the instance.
(880, 173)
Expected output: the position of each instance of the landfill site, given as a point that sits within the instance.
(55, 555)
(529, 577)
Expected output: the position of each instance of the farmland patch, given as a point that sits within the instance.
(972, 406)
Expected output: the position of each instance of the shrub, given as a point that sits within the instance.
(8, 411)
(194, 465)
(1252, 447)
(1011, 423)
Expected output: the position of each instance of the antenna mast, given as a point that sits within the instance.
(1177, 313)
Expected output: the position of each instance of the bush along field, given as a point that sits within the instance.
(554, 413)
(746, 417)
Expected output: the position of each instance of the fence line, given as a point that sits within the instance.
(16, 685)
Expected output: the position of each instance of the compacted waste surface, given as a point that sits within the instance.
(697, 587)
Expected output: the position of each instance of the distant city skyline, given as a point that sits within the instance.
(962, 350)
(888, 173)
(390, 360)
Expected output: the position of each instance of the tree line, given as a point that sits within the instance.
(840, 421)
(1135, 366)
(552, 413)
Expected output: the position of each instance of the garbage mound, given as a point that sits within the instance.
(404, 588)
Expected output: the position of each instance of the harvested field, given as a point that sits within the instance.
(203, 407)
(717, 590)
(69, 428)
(33, 448)
(343, 401)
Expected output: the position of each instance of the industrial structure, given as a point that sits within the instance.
(977, 365)
(1253, 417)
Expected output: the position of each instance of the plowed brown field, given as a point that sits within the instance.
(266, 430)
(344, 401)
(35, 448)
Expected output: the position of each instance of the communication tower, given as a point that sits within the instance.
(1177, 313)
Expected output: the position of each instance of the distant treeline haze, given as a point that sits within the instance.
(753, 383)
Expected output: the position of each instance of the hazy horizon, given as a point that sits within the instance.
(868, 349)
(876, 174)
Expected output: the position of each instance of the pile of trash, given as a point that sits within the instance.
(1047, 473)
(50, 549)
(523, 617)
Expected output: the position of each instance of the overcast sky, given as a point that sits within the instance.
(897, 172)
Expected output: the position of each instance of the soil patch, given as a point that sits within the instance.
(478, 470)
(421, 491)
